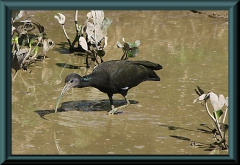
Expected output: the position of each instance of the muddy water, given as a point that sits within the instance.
(162, 119)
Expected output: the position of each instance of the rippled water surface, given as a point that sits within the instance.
(162, 119)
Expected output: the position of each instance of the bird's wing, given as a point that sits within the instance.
(129, 75)
(121, 75)
(148, 64)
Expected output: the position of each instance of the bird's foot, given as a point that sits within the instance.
(113, 111)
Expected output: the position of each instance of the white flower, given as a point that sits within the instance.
(83, 43)
(226, 101)
(202, 97)
(217, 102)
(61, 18)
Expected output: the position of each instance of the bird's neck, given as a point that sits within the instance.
(86, 81)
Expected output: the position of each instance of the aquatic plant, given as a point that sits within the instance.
(217, 115)
(129, 49)
(91, 36)
(25, 44)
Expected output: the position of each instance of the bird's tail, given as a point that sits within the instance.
(148, 64)
(155, 78)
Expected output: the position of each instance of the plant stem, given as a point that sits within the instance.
(64, 31)
(216, 123)
(225, 114)
(206, 106)
(76, 22)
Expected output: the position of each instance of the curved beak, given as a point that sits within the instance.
(64, 90)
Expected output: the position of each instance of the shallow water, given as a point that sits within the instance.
(162, 119)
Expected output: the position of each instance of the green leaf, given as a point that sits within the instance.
(30, 43)
(106, 23)
(135, 44)
(219, 113)
(133, 52)
(80, 28)
(15, 39)
(131, 45)
(36, 50)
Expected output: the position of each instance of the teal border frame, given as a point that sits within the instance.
(5, 72)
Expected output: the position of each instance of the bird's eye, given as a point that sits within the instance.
(71, 81)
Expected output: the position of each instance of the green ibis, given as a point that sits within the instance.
(114, 77)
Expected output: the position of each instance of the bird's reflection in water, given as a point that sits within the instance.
(84, 105)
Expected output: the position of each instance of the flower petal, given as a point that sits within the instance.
(202, 97)
(83, 43)
(194, 101)
(226, 101)
(61, 19)
(214, 100)
(221, 101)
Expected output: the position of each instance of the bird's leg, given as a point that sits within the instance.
(111, 104)
(128, 102)
(114, 110)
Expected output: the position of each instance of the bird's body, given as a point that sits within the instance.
(119, 76)
(116, 76)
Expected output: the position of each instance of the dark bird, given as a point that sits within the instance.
(112, 77)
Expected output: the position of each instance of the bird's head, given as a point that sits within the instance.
(71, 81)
